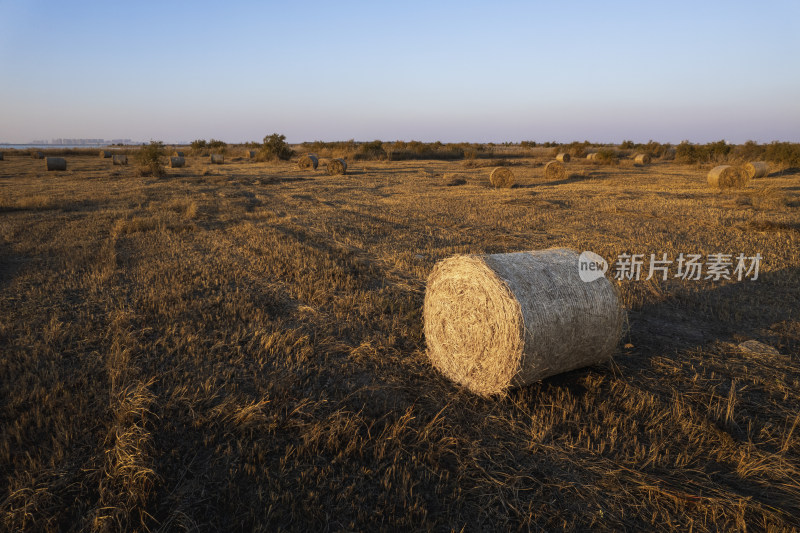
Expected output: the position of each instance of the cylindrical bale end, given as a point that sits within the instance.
(756, 169)
(119, 159)
(105, 154)
(217, 159)
(501, 177)
(727, 177)
(56, 163)
(337, 166)
(308, 161)
(641, 160)
(592, 156)
(250, 154)
(554, 170)
(177, 162)
(501, 321)
(563, 157)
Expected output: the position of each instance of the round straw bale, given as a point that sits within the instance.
(105, 154)
(756, 169)
(591, 157)
(119, 159)
(56, 163)
(177, 162)
(177, 153)
(37, 155)
(641, 160)
(727, 176)
(554, 170)
(494, 322)
(1, 156)
(501, 177)
(308, 161)
(217, 159)
(564, 157)
(337, 166)
(250, 154)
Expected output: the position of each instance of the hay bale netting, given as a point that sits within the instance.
(754, 169)
(554, 170)
(337, 166)
(641, 160)
(727, 176)
(56, 163)
(308, 161)
(105, 154)
(564, 158)
(37, 155)
(495, 322)
(217, 159)
(119, 159)
(501, 177)
(178, 153)
(177, 162)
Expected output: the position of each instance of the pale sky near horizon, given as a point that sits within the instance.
(449, 71)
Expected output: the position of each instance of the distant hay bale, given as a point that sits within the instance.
(119, 159)
(756, 169)
(217, 159)
(37, 155)
(105, 154)
(177, 153)
(563, 158)
(495, 322)
(592, 156)
(1, 156)
(250, 154)
(177, 162)
(641, 160)
(727, 176)
(554, 170)
(308, 161)
(56, 163)
(337, 166)
(501, 177)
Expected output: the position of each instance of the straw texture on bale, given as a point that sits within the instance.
(217, 159)
(177, 153)
(119, 159)
(501, 177)
(308, 161)
(554, 170)
(756, 169)
(564, 158)
(641, 159)
(727, 176)
(37, 155)
(105, 154)
(177, 162)
(56, 163)
(495, 322)
(250, 154)
(591, 157)
(337, 166)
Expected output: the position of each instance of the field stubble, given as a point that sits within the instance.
(240, 346)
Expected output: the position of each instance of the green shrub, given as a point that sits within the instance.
(275, 147)
(607, 156)
(151, 158)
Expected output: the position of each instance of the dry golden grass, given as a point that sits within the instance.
(239, 347)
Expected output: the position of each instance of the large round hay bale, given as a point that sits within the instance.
(1, 156)
(37, 155)
(727, 176)
(554, 170)
(178, 153)
(217, 159)
(177, 162)
(250, 154)
(105, 154)
(591, 157)
(308, 161)
(641, 160)
(337, 166)
(501, 177)
(495, 322)
(563, 157)
(56, 163)
(119, 159)
(756, 169)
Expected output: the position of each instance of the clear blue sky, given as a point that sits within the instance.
(449, 71)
